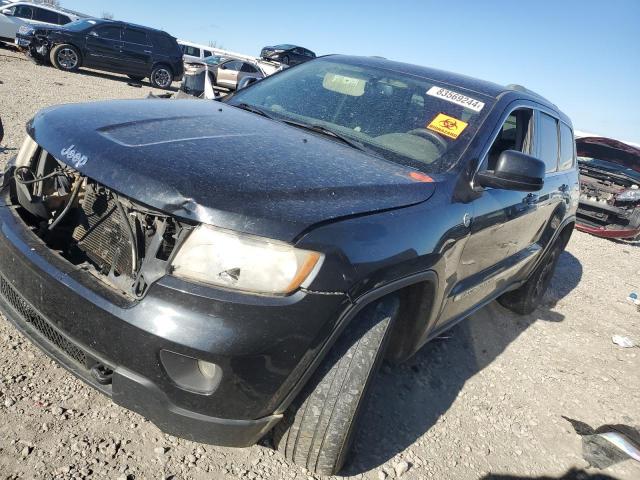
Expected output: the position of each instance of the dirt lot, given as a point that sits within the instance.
(486, 400)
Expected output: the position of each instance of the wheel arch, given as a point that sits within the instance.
(417, 297)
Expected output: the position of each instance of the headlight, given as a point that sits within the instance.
(631, 195)
(244, 262)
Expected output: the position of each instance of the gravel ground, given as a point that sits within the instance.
(483, 401)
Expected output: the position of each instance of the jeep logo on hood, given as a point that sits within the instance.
(74, 157)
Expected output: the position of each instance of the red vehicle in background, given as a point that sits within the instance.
(610, 188)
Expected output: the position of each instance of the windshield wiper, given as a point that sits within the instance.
(314, 127)
(253, 109)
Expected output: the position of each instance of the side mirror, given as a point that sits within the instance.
(6, 11)
(246, 81)
(514, 171)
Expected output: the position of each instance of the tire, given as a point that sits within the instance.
(317, 429)
(285, 60)
(137, 78)
(527, 298)
(65, 57)
(161, 77)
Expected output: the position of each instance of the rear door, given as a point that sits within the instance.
(103, 46)
(248, 70)
(137, 52)
(227, 75)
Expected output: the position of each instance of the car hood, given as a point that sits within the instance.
(213, 163)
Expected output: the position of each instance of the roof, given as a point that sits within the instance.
(49, 7)
(473, 84)
(120, 22)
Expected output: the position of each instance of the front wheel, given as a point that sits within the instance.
(65, 57)
(526, 299)
(161, 77)
(317, 429)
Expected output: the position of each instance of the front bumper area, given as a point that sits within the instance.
(610, 231)
(262, 344)
(134, 391)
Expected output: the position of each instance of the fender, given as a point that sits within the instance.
(350, 314)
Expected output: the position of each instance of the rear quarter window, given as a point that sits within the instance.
(567, 147)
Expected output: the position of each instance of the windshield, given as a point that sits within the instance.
(401, 117)
(80, 25)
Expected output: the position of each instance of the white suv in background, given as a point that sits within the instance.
(16, 14)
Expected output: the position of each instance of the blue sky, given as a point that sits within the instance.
(582, 55)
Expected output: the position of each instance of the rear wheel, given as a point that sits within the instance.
(65, 57)
(526, 299)
(161, 76)
(317, 429)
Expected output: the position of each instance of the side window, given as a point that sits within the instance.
(235, 65)
(23, 11)
(43, 15)
(63, 19)
(192, 51)
(567, 147)
(298, 51)
(516, 133)
(207, 53)
(309, 53)
(109, 33)
(548, 151)
(164, 42)
(246, 67)
(133, 35)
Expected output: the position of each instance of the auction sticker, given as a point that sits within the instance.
(448, 126)
(457, 98)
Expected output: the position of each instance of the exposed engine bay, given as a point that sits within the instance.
(609, 188)
(125, 244)
(599, 198)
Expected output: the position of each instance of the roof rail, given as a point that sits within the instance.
(521, 88)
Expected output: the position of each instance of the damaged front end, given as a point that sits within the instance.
(610, 188)
(124, 244)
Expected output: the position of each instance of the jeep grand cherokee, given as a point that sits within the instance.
(238, 268)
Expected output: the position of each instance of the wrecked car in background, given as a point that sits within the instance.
(610, 188)
(107, 45)
(225, 73)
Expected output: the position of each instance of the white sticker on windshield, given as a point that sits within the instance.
(457, 98)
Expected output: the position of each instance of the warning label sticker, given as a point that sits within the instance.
(448, 126)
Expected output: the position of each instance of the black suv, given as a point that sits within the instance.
(230, 269)
(136, 51)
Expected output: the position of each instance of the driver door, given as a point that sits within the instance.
(504, 225)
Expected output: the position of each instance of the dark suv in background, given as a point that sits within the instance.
(119, 47)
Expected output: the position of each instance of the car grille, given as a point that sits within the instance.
(103, 233)
(37, 321)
